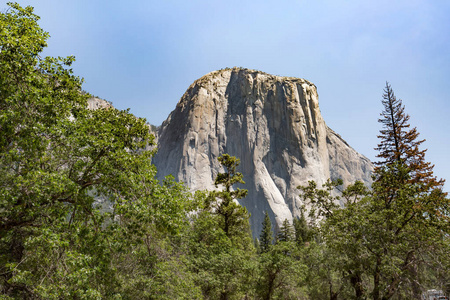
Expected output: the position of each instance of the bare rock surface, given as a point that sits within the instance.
(272, 123)
(97, 103)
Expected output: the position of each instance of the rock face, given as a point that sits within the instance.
(97, 103)
(272, 123)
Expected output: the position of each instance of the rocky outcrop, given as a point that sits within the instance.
(272, 123)
(97, 103)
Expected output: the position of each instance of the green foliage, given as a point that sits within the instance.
(374, 244)
(408, 195)
(381, 241)
(266, 236)
(286, 232)
(82, 215)
(222, 268)
(233, 216)
(303, 232)
(322, 200)
(61, 165)
(281, 272)
(152, 260)
(221, 246)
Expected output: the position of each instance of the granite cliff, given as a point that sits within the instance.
(272, 123)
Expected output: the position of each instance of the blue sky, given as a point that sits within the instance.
(143, 55)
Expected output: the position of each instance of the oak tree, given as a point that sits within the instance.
(72, 180)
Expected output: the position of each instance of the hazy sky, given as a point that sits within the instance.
(144, 54)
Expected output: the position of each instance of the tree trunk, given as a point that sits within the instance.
(415, 287)
(356, 282)
(376, 280)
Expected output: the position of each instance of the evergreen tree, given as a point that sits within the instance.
(399, 144)
(302, 231)
(286, 233)
(234, 216)
(386, 236)
(222, 249)
(407, 195)
(281, 273)
(266, 236)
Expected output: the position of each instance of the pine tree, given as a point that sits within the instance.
(286, 233)
(303, 233)
(235, 216)
(280, 270)
(223, 249)
(400, 145)
(408, 194)
(266, 236)
(381, 240)
(402, 169)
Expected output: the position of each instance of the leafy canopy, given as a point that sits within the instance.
(78, 194)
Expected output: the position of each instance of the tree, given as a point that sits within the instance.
(286, 232)
(336, 257)
(266, 236)
(151, 253)
(59, 163)
(404, 182)
(234, 216)
(281, 272)
(222, 248)
(399, 144)
(386, 235)
(303, 232)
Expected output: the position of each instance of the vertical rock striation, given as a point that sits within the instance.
(272, 123)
